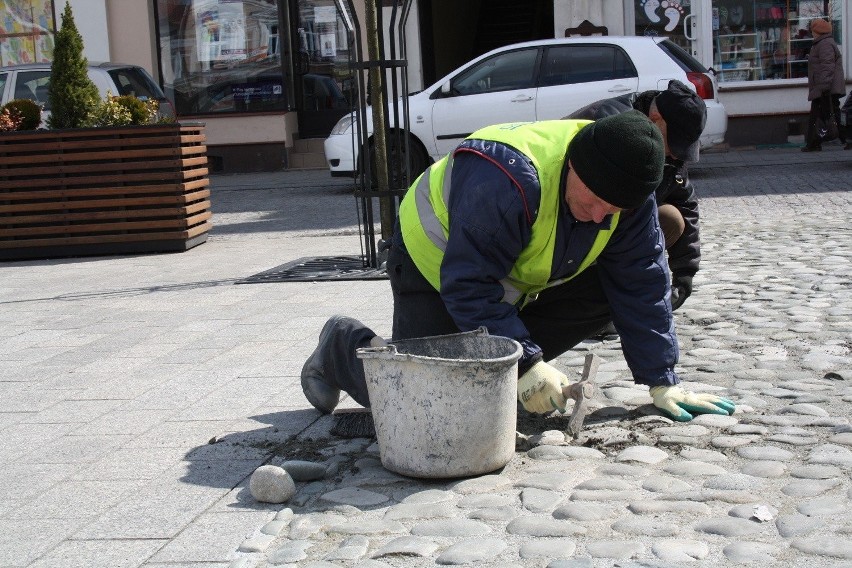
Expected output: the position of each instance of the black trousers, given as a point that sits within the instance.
(559, 319)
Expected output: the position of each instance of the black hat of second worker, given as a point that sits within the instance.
(619, 158)
(685, 114)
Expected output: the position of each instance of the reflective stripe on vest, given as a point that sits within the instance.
(424, 213)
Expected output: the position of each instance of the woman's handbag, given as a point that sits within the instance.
(826, 125)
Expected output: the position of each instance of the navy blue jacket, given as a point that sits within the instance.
(675, 189)
(490, 223)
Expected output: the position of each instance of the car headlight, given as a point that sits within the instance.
(343, 125)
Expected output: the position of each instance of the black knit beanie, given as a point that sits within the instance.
(620, 158)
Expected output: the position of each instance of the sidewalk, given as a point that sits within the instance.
(139, 393)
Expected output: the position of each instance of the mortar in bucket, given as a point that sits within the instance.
(444, 406)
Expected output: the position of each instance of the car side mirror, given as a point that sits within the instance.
(446, 89)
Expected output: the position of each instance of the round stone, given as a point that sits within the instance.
(765, 453)
(271, 484)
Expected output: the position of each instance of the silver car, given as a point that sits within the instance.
(32, 80)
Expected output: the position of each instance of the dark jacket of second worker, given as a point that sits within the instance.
(675, 189)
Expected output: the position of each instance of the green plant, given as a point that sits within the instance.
(28, 111)
(10, 120)
(125, 110)
(72, 95)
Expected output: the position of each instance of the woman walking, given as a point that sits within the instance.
(826, 83)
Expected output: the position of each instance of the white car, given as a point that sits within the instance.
(538, 80)
(31, 81)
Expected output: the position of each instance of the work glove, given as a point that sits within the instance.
(540, 389)
(681, 290)
(680, 404)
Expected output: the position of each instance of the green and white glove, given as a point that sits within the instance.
(540, 389)
(681, 405)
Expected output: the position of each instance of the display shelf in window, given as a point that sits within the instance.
(738, 57)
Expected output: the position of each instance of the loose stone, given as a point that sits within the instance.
(550, 548)
(301, 470)
(680, 550)
(844, 438)
(271, 484)
(690, 430)
(603, 495)
(748, 429)
(714, 420)
(537, 526)
(622, 470)
(806, 409)
(407, 546)
(473, 550)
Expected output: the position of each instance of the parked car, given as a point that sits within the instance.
(539, 80)
(31, 81)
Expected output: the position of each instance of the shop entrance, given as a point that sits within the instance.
(324, 86)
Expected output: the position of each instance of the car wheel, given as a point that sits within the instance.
(418, 161)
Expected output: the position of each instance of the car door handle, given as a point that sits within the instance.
(620, 89)
(521, 99)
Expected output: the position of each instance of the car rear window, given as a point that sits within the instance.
(585, 63)
(680, 56)
(133, 81)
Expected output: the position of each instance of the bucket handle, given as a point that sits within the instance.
(390, 348)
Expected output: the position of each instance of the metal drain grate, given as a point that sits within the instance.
(320, 268)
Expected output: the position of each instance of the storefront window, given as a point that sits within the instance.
(754, 41)
(26, 31)
(221, 56)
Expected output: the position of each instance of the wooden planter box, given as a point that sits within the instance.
(133, 189)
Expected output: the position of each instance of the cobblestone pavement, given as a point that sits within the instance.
(138, 394)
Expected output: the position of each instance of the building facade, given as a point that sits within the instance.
(262, 74)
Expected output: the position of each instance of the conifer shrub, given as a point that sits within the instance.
(72, 95)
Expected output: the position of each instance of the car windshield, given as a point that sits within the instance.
(132, 81)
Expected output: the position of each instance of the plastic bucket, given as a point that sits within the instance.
(444, 406)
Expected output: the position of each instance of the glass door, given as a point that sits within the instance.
(325, 87)
(678, 20)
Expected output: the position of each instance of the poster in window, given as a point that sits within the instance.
(220, 30)
(328, 43)
(26, 31)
